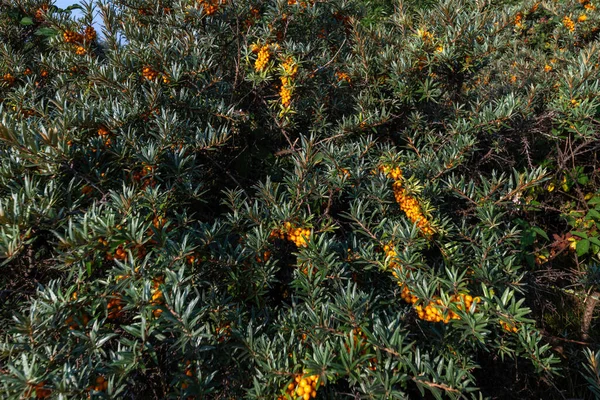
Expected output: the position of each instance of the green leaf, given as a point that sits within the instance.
(27, 21)
(594, 240)
(540, 232)
(48, 32)
(582, 235)
(74, 7)
(593, 214)
(582, 247)
(527, 237)
(594, 200)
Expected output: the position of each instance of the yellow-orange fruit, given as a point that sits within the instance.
(8, 78)
(72, 37)
(40, 12)
(286, 95)
(89, 34)
(264, 55)
(149, 73)
(342, 76)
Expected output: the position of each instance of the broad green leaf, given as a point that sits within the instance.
(540, 232)
(48, 32)
(582, 235)
(582, 247)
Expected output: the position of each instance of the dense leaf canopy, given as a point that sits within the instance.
(224, 199)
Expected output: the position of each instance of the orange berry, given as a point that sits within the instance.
(72, 37)
(89, 33)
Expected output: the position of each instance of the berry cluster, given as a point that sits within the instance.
(587, 5)
(290, 68)
(210, 6)
(509, 327)
(145, 12)
(264, 258)
(408, 204)
(72, 37)
(392, 173)
(434, 310)
(394, 265)
(299, 236)
(302, 4)
(344, 173)
(86, 189)
(89, 34)
(342, 76)
(426, 36)
(115, 307)
(306, 267)
(285, 92)
(223, 332)
(157, 295)
(40, 392)
(145, 175)
(253, 17)
(303, 387)
(189, 372)
(568, 23)
(76, 38)
(406, 294)
(159, 221)
(519, 20)
(263, 57)
(411, 208)
(101, 384)
(432, 313)
(149, 73)
(103, 242)
(104, 133)
(41, 12)
(120, 254)
(24, 112)
(8, 78)
(121, 277)
(70, 321)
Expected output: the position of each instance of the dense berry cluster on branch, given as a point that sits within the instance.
(263, 56)
(408, 204)
(298, 235)
(302, 387)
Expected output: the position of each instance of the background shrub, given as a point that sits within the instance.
(270, 200)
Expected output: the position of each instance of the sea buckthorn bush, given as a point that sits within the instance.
(299, 199)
